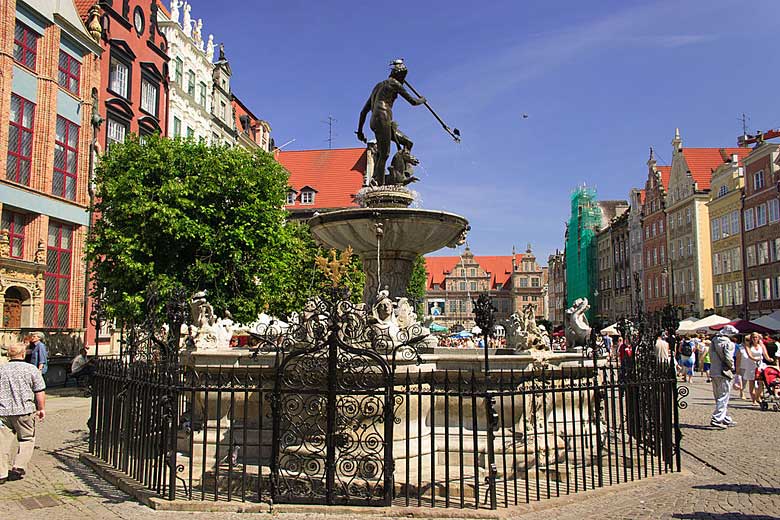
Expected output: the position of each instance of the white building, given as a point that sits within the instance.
(191, 73)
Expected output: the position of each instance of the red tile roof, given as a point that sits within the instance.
(666, 173)
(337, 175)
(702, 161)
(82, 7)
(499, 267)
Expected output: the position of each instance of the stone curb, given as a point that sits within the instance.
(150, 499)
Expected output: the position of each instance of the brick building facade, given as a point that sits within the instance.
(655, 271)
(761, 228)
(50, 67)
(556, 287)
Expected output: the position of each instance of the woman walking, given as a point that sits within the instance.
(752, 356)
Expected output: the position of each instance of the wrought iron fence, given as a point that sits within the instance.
(412, 436)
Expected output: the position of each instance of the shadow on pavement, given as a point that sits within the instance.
(741, 488)
(68, 457)
(703, 515)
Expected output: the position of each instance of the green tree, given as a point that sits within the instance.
(418, 282)
(179, 212)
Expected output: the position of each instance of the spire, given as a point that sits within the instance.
(528, 249)
(676, 142)
(651, 161)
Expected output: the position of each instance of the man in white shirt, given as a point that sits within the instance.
(81, 366)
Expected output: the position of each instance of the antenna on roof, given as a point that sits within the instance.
(285, 144)
(744, 120)
(330, 122)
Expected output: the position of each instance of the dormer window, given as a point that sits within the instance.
(723, 190)
(307, 195)
(291, 197)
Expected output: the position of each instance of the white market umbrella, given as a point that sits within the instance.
(476, 330)
(709, 321)
(770, 321)
(611, 330)
(685, 325)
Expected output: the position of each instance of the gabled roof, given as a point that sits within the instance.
(336, 174)
(499, 267)
(642, 196)
(666, 173)
(703, 161)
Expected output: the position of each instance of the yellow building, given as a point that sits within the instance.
(724, 208)
(688, 223)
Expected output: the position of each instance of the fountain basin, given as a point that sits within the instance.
(404, 234)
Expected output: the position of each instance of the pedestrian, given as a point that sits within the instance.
(662, 349)
(706, 358)
(82, 367)
(687, 359)
(22, 399)
(39, 356)
(722, 372)
(752, 357)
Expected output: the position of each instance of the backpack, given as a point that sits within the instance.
(686, 349)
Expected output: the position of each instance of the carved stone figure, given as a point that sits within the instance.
(210, 48)
(186, 23)
(197, 36)
(93, 22)
(40, 252)
(523, 333)
(5, 244)
(380, 104)
(175, 4)
(577, 327)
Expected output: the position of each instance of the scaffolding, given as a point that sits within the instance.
(581, 268)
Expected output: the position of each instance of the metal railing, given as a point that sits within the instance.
(458, 439)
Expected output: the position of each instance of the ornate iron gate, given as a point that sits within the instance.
(332, 410)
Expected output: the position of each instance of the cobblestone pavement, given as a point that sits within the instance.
(728, 474)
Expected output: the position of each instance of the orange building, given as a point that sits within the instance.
(49, 68)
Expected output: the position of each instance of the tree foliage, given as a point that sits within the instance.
(418, 281)
(180, 212)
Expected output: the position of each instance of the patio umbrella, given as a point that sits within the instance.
(770, 321)
(435, 327)
(461, 335)
(611, 330)
(744, 327)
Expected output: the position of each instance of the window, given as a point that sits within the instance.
(523, 282)
(723, 190)
(765, 286)
(750, 254)
(681, 250)
(647, 232)
(25, 45)
(473, 286)
(115, 131)
(718, 295)
(735, 222)
(655, 256)
(775, 247)
(774, 210)
(472, 271)
(687, 215)
(534, 282)
(14, 224)
(462, 305)
(749, 224)
(69, 72)
(728, 299)
(739, 293)
(190, 132)
(191, 83)
(679, 218)
(58, 259)
(178, 71)
(690, 246)
(202, 94)
(776, 288)
(758, 180)
(716, 264)
(20, 138)
(307, 197)
(736, 259)
(661, 226)
(655, 288)
(223, 111)
(66, 151)
(690, 281)
(176, 127)
(724, 226)
(149, 96)
(118, 78)
(671, 222)
(761, 215)
(762, 252)
(453, 306)
(655, 229)
(715, 229)
(290, 197)
(647, 263)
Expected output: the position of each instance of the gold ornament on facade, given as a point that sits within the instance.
(40, 253)
(93, 22)
(5, 244)
(334, 267)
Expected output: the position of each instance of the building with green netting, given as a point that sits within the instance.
(588, 216)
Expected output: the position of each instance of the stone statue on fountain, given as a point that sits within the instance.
(396, 324)
(523, 333)
(577, 326)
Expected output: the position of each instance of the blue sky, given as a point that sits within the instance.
(600, 82)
